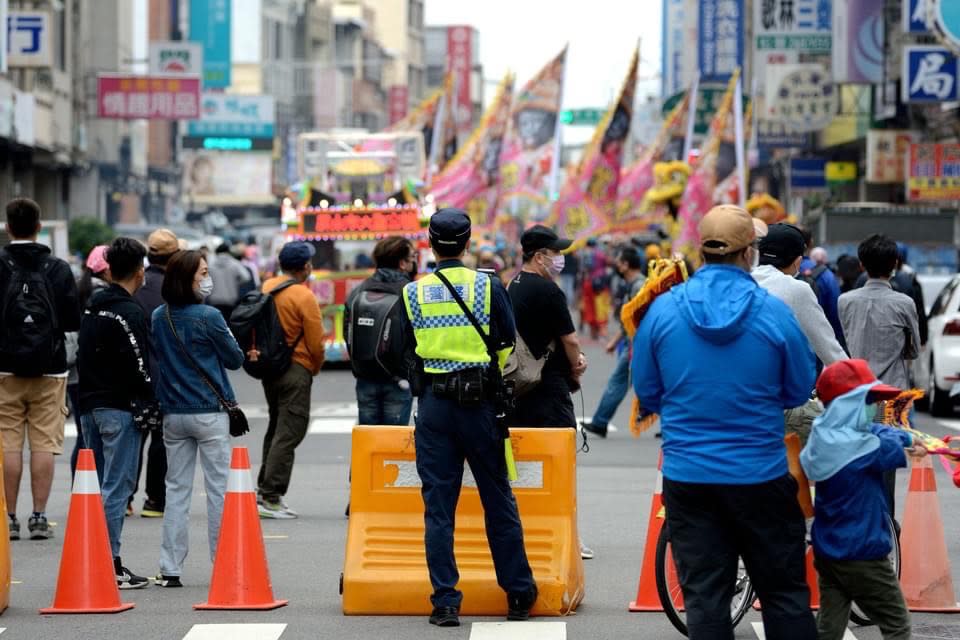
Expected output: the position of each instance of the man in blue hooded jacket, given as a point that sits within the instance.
(720, 360)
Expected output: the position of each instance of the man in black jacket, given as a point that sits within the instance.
(161, 245)
(33, 360)
(115, 386)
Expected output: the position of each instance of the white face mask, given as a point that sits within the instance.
(557, 263)
(205, 287)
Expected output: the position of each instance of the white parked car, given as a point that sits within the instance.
(939, 365)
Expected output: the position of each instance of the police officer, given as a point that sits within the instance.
(456, 418)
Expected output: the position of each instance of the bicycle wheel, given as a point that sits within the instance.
(856, 614)
(671, 596)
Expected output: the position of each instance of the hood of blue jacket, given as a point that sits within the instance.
(840, 435)
(718, 300)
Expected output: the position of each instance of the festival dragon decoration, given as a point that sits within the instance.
(663, 275)
(896, 413)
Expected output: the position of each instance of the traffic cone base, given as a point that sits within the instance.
(241, 578)
(647, 597)
(86, 583)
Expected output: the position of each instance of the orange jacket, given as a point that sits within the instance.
(300, 313)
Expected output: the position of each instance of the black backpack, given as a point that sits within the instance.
(255, 324)
(810, 277)
(375, 336)
(31, 337)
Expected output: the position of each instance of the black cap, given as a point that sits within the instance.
(539, 237)
(294, 255)
(450, 228)
(782, 245)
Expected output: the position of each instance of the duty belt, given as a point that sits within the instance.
(468, 387)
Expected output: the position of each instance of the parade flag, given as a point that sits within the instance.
(471, 180)
(699, 195)
(588, 200)
(528, 152)
(637, 178)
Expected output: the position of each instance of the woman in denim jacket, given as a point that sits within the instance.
(193, 418)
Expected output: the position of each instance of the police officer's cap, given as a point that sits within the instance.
(449, 228)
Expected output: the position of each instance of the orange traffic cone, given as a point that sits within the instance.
(241, 579)
(812, 581)
(647, 597)
(87, 583)
(925, 566)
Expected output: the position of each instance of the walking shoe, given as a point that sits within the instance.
(586, 552)
(129, 511)
(126, 579)
(167, 581)
(596, 430)
(286, 507)
(151, 509)
(14, 525)
(274, 510)
(445, 617)
(38, 527)
(519, 605)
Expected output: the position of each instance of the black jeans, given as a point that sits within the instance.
(547, 405)
(288, 400)
(156, 456)
(710, 525)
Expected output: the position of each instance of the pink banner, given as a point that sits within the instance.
(588, 200)
(129, 97)
(471, 180)
(460, 61)
(398, 96)
(529, 148)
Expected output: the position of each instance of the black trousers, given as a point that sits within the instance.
(546, 405)
(156, 456)
(710, 525)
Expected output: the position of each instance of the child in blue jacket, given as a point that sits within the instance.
(847, 455)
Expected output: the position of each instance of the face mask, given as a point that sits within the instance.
(558, 263)
(205, 288)
(871, 412)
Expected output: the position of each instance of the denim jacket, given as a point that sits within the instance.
(206, 337)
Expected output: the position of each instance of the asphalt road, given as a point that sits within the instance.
(616, 479)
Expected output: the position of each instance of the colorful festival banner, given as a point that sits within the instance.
(528, 151)
(471, 180)
(698, 197)
(637, 178)
(588, 200)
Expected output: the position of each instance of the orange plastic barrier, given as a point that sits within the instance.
(385, 570)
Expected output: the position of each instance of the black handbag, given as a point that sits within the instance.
(238, 420)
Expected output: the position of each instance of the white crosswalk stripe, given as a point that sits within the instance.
(950, 424)
(758, 629)
(235, 632)
(518, 631)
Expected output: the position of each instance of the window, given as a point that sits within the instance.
(277, 41)
(943, 300)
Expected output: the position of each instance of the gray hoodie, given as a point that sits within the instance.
(799, 296)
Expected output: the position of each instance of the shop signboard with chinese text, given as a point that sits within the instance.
(793, 25)
(28, 39)
(210, 26)
(176, 58)
(858, 41)
(460, 59)
(679, 61)
(887, 150)
(346, 222)
(129, 97)
(945, 16)
(915, 14)
(929, 74)
(227, 115)
(720, 39)
(933, 173)
(398, 99)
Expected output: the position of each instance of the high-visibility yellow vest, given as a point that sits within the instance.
(446, 340)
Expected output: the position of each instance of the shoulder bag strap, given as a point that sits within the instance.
(491, 351)
(193, 363)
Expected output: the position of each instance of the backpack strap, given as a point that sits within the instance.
(277, 290)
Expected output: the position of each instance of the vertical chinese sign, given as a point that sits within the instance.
(210, 26)
(460, 61)
(720, 40)
(127, 97)
(934, 172)
(398, 96)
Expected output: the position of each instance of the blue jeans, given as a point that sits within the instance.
(383, 403)
(113, 432)
(616, 390)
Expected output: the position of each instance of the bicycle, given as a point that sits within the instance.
(671, 596)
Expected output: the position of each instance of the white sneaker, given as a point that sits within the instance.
(586, 552)
(275, 510)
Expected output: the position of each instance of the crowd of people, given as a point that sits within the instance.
(764, 338)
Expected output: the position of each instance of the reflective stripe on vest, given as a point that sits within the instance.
(445, 338)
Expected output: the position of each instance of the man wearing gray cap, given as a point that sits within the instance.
(462, 323)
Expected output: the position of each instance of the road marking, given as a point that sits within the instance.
(332, 425)
(758, 629)
(275, 537)
(611, 428)
(235, 632)
(518, 631)
(950, 424)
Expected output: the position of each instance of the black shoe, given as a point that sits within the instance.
(594, 429)
(346, 512)
(151, 509)
(658, 434)
(167, 581)
(518, 606)
(445, 617)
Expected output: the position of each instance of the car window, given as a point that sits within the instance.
(942, 302)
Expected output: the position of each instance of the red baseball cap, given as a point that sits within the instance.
(846, 375)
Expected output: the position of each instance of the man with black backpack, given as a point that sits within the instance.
(824, 284)
(281, 333)
(40, 302)
(379, 354)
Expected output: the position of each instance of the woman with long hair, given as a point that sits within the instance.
(194, 348)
